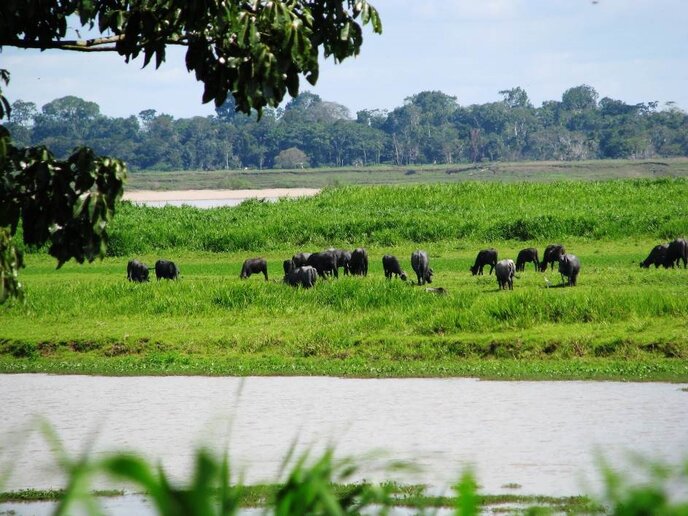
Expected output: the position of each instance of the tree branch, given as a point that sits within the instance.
(78, 45)
(86, 45)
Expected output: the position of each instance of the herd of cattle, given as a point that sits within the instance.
(303, 269)
(668, 255)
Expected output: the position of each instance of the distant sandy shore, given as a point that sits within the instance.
(208, 195)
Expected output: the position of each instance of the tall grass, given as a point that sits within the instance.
(388, 216)
(318, 486)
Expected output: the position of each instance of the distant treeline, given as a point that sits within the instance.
(431, 127)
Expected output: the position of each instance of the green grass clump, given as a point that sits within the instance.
(393, 216)
(324, 485)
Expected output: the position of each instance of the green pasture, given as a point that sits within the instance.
(620, 322)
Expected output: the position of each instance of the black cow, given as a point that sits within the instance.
(166, 269)
(324, 262)
(137, 271)
(421, 266)
(358, 265)
(551, 256)
(288, 265)
(569, 267)
(391, 266)
(300, 259)
(254, 266)
(343, 259)
(677, 251)
(305, 277)
(485, 257)
(656, 257)
(527, 255)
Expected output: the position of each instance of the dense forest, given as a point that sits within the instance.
(431, 127)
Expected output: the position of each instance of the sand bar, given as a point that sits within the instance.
(208, 195)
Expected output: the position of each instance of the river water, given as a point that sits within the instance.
(201, 203)
(543, 436)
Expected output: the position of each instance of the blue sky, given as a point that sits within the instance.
(633, 50)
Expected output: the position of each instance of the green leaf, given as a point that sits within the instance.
(344, 32)
(79, 204)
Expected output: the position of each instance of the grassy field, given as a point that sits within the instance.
(411, 174)
(620, 322)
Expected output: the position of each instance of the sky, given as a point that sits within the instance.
(632, 50)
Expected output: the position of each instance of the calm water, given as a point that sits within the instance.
(541, 435)
(201, 203)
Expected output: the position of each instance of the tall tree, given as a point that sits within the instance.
(23, 113)
(579, 98)
(521, 121)
(65, 123)
(21, 122)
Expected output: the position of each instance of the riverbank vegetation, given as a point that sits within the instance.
(411, 215)
(621, 322)
(326, 485)
(401, 495)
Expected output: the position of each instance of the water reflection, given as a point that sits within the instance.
(541, 435)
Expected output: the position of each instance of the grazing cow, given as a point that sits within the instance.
(324, 262)
(343, 259)
(137, 271)
(390, 265)
(254, 266)
(504, 272)
(485, 257)
(166, 269)
(300, 259)
(656, 257)
(569, 267)
(358, 265)
(527, 255)
(421, 266)
(551, 255)
(305, 277)
(287, 265)
(677, 251)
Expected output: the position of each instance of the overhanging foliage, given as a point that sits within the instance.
(254, 50)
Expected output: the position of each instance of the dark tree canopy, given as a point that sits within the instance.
(254, 50)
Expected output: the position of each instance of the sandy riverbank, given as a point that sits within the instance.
(206, 195)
